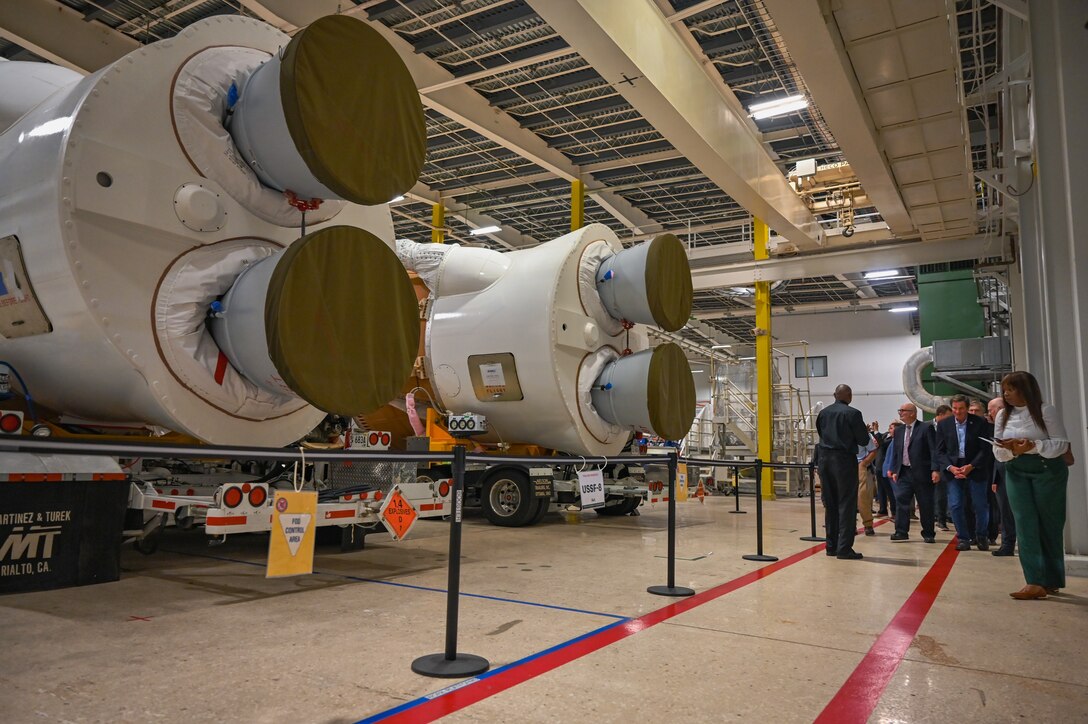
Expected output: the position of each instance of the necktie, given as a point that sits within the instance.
(906, 444)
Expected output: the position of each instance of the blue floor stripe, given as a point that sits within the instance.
(413, 586)
(486, 675)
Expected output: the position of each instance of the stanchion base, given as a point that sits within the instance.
(670, 591)
(758, 557)
(814, 538)
(438, 666)
(739, 512)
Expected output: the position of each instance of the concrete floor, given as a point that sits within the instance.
(198, 634)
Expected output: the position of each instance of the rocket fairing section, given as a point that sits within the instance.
(168, 187)
(544, 341)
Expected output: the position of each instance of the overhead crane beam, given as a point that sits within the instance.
(817, 49)
(61, 35)
(847, 261)
(814, 307)
(634, 47)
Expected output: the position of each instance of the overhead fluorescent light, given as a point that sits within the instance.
(903, 309)
(485, 230)
(779, 107)
(720, 346)
(745, 358)
(395, 200)
(883, 274)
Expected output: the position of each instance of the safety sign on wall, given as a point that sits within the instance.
(291, 543)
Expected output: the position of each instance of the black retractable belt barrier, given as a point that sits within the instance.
(450, 664)
(736, 492)
(759, 556)
(671, 589)
(812, 505)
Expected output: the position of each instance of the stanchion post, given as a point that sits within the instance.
(812, 506)
(736, 492)
(671, 589)
(759, 556)
(450, 664)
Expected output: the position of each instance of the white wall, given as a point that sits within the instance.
(865, 349)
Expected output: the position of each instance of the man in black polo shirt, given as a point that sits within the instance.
(842, 430)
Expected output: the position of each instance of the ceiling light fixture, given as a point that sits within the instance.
(720, 346)
(485, 230)
(883, 274)
(396, 199)
(903, 309)
(779, 107)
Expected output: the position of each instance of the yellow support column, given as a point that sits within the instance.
(764, 393)
(577, 204)
(438, 223)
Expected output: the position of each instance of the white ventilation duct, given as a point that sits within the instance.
(912, 381)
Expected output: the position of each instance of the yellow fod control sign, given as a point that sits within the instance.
(398, 515)
(682, 482)
(291, 543)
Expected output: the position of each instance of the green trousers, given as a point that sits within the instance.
(1036, 488)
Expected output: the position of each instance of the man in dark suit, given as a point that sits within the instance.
(842, 430)
(912, 474)
(965, 463)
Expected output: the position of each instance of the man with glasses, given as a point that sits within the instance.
(842, 431)
(912, 474)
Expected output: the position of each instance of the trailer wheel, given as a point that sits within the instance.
(545, 506)
(148, 544)
(508, 499)
(627, 506)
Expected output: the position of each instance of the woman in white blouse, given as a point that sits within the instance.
(1030, 439)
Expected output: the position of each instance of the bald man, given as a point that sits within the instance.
(913, 475)
(842, 431)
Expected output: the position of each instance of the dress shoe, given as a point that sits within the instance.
(993, 541)
(963, 546)
(1002, 552)
(899, 537)
(942, 526)
(869, 530)
(882, 513)
(852, 555)
(929, 539)
(913, 516)
(831, 552)
(1029, 593)
(983, 545)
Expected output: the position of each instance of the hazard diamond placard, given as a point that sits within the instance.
(398, 515)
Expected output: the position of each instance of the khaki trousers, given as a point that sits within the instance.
(866, 490)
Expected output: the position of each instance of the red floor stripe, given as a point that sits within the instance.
(858, 697)
(466, 696)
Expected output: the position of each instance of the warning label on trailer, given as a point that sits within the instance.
(398, 515)
(291, 542)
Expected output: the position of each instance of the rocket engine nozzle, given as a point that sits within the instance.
(293, 324)
(648, 284)
(650, 390)
(308, 121)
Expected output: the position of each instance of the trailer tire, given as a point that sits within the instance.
(627, 506)
(508, 498)
(545, 506)
(148, 544)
